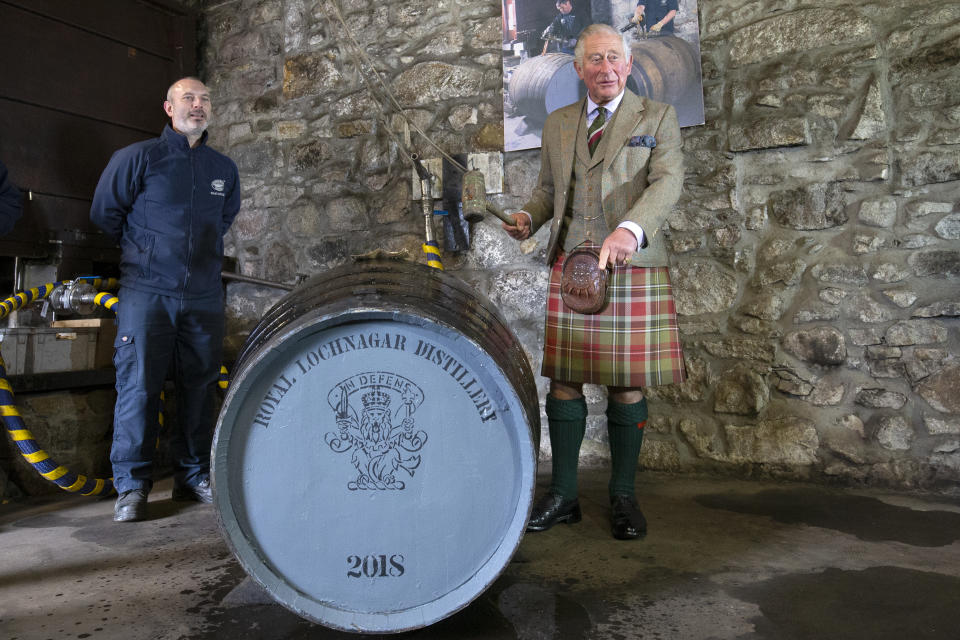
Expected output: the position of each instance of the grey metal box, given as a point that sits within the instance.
(28, 350)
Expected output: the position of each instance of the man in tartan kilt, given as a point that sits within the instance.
(611, 171)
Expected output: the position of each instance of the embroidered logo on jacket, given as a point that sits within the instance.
(218, 187)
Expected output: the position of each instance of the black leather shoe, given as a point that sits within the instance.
(627, 519)
(551, 509)
(200, 492)
(131, 506)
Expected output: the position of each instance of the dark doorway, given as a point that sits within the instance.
(80, 80)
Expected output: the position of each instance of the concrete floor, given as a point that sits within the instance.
(724, 559)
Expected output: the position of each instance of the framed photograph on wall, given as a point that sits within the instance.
(538, 45)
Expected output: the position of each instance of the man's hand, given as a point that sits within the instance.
(618, 248)
(656, 28)
(521, 226)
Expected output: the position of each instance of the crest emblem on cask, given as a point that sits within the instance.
(374, 413)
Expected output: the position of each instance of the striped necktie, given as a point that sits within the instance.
(595, 132)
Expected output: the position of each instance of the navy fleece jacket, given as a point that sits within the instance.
(168, 206)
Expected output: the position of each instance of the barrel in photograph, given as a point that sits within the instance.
(665, 68)
(375, 458)
(543, 84)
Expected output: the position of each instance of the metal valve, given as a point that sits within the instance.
(74, 296)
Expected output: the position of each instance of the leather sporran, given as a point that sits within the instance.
(583, 287)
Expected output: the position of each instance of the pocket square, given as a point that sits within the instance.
(642, 141)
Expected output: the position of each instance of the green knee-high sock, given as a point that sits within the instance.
(568, 422)
(625, 424)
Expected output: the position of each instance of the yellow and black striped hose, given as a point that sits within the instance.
(432, 250)
(21, 436)
(40, 459)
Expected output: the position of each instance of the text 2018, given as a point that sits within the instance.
(375, 566)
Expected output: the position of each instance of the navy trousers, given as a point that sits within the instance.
(157, 335)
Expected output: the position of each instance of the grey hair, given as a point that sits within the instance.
(593, 29)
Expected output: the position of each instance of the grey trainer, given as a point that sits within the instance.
(131, 506)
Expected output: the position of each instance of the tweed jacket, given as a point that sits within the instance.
(639, 183)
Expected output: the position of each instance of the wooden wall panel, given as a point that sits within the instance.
(82, 73)
(60, 153)
(148, 26)
(80, 80)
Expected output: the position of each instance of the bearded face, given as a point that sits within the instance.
(189, 108)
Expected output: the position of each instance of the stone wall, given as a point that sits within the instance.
(816, 256)
(73, 427)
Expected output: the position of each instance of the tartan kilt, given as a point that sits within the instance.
(634, 341)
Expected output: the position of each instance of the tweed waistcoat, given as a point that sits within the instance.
(584, 217)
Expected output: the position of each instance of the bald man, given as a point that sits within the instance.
(167, 202)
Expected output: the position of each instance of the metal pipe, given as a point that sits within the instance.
(13, 321)
(426, 203)
(227, 275)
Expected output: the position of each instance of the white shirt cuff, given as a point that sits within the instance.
(634, 228)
